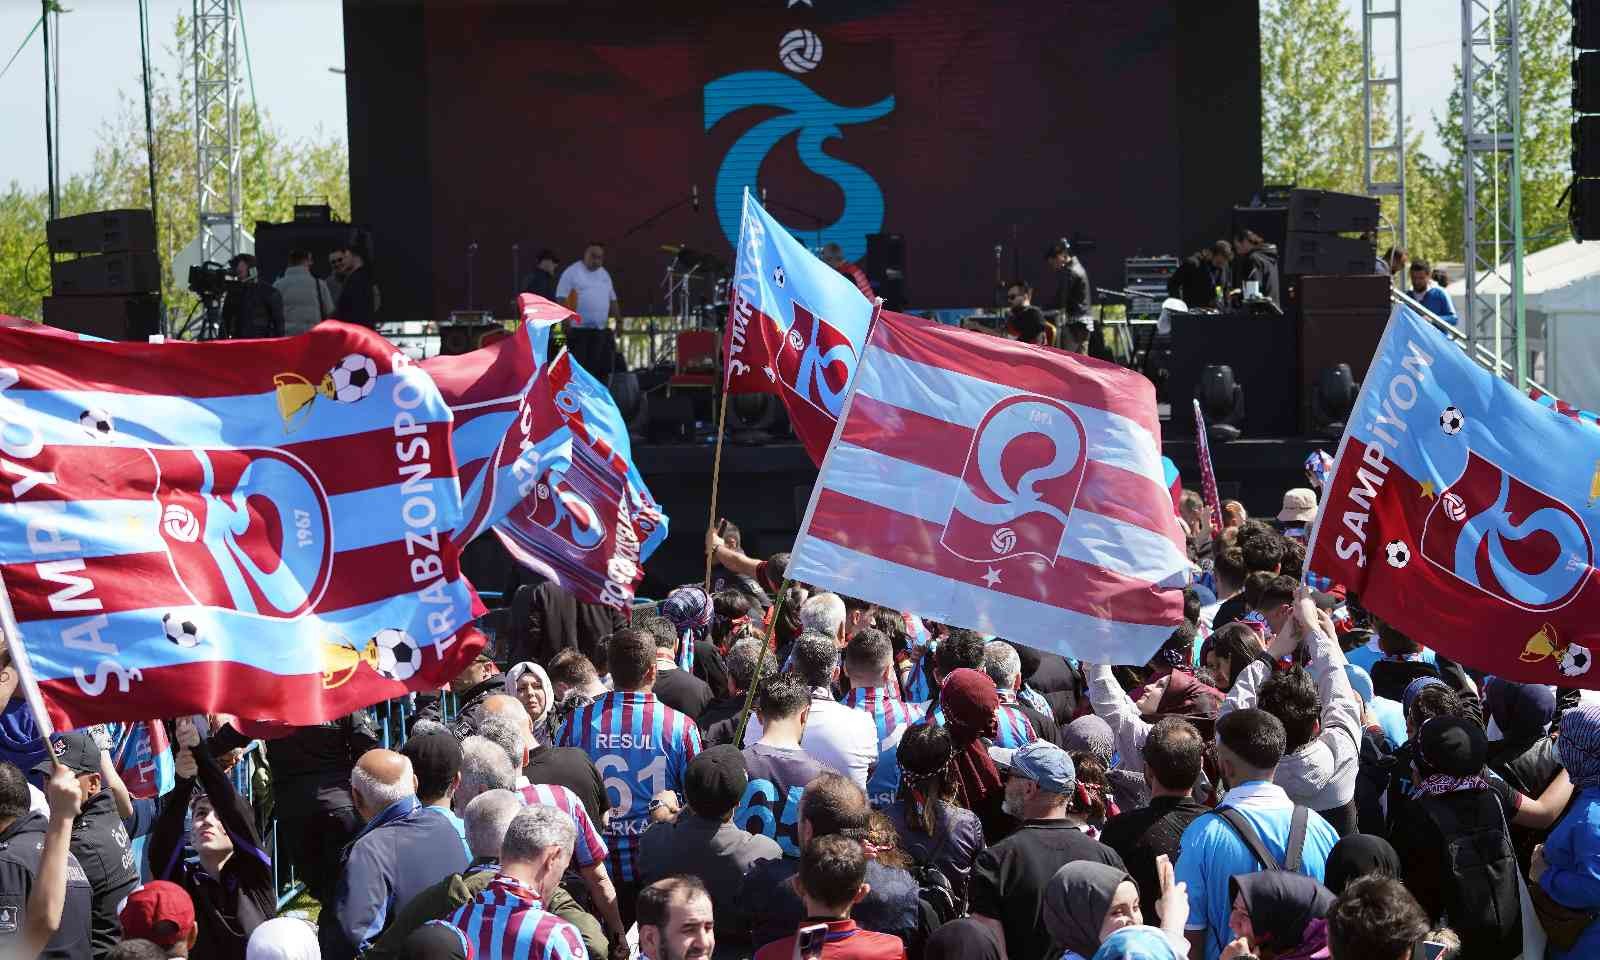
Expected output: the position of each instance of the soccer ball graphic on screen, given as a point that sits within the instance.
(184, 633)
(398, 655)
(1451, 421)
(1397, 553)
(97, 423)
(353, 378)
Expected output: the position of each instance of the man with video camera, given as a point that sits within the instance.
(251, 309)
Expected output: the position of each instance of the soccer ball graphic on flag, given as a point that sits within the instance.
(353, 378)
(778, 276)
(1451, 421)
(97, 423)
(1398, 553)
(398, 655)
(1575, 661)
(184, 633)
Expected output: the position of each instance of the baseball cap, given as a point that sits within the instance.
(76, 750)
(1299, 506)
(1044, 763)
(435, 759)
(159, 911)
(715, 781)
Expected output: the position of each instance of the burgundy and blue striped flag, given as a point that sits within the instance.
(1000, 486)
(256, 526)
(1208, 471)
(546, 462)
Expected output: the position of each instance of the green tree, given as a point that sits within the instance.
(276, 171)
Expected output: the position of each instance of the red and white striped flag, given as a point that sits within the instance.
(1003, 487)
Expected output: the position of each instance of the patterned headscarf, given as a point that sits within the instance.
(690, 611)
(1415, 687)
(1579, 744)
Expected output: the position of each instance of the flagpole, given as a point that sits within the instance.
(716, 477)
(25, 675)
(767, 652)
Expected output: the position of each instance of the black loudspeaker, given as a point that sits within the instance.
(1323, 211)
(1325, 253)
(105, 231)
(886, 267)
(1586, 82)
(1272, 223)
(136, 317)
(458, 338)
(106, 273)
(1584, 212)
(1586, 146)
(1586, 24)
(671, 417)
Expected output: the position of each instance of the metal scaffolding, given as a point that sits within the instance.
(1383, 103)
(216, 127)
(1491, 121)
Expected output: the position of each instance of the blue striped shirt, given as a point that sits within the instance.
(506, 921)
(1013, 728)
(888, 711)
(641, 747)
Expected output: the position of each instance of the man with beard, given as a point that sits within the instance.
(675, 920)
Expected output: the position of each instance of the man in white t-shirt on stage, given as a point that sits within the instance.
(586, 287)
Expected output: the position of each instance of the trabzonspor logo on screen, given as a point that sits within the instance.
(1019, 483)
(816, 121)
(1508, 539)
(247, 529)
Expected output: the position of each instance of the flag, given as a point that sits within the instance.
(1000, 486)
(1208, 473)
(589, 523)
(1564, 408)
(143, 757)
(1460, 512)
(256, 525)
(546, 462)
(795, 328)
(1174, 482)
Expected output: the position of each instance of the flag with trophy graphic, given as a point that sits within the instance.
(1462, 513)
(1000, 486)
(795, 327)
(257, 526)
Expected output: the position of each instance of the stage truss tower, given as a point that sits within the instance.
(1491, 121)
(1383, 106)
(216, 127)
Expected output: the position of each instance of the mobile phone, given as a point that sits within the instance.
(810, 939)
(1432, 950)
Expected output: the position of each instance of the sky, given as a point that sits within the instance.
(293, 43)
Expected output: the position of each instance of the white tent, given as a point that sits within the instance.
(1561, 290)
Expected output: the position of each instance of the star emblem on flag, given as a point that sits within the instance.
(991, 578)
(1426, 490)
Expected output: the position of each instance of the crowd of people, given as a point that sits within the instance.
(767, 770)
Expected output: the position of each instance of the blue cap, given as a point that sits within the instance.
(1360, 681)
(1044, 763)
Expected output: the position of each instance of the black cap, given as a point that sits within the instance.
(1453, 746)
(435, 759)
(76, 750)
(715, 781)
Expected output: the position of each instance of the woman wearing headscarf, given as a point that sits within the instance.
(1567, 866)
(1526, 756)
(1278, 915)
(528, 682)
(1359, 855)
(933, 828)
(970, 700)
(1451, 833)
(690, 611)
(284, 938)
(963, 939)
(1086, 902)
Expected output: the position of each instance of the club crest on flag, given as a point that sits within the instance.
(815, 361)
(563, 511)
(247, 529)
(1019, 482)
(1507, 538)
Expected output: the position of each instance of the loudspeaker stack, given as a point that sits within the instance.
(112, 288)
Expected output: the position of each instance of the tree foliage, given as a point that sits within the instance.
(277, 171)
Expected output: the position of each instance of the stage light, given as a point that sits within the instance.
(1332, 399)
(1222, 402)
(757, 417)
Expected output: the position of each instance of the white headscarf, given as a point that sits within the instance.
(517, 672)
(284, 938)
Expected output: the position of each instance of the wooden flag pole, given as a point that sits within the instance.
(716, 477)
(767, 651)
(25, 675)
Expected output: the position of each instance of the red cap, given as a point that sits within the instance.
(159, 911)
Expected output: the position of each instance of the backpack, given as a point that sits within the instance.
(1247, 833)
(1483, 903)
(940, 902)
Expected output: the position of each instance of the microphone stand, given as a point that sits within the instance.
(813, 217)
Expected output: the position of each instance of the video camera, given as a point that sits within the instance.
(210, 280)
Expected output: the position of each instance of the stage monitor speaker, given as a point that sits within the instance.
(135, 317)
(1586, 24)
(1272, 223)
(104, 231)
(886, 267)
(1325, 253)
(1342, 319)
(1323, 211)
(671, 418)
(106, 274)
(1259, 347)
(458, 338)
